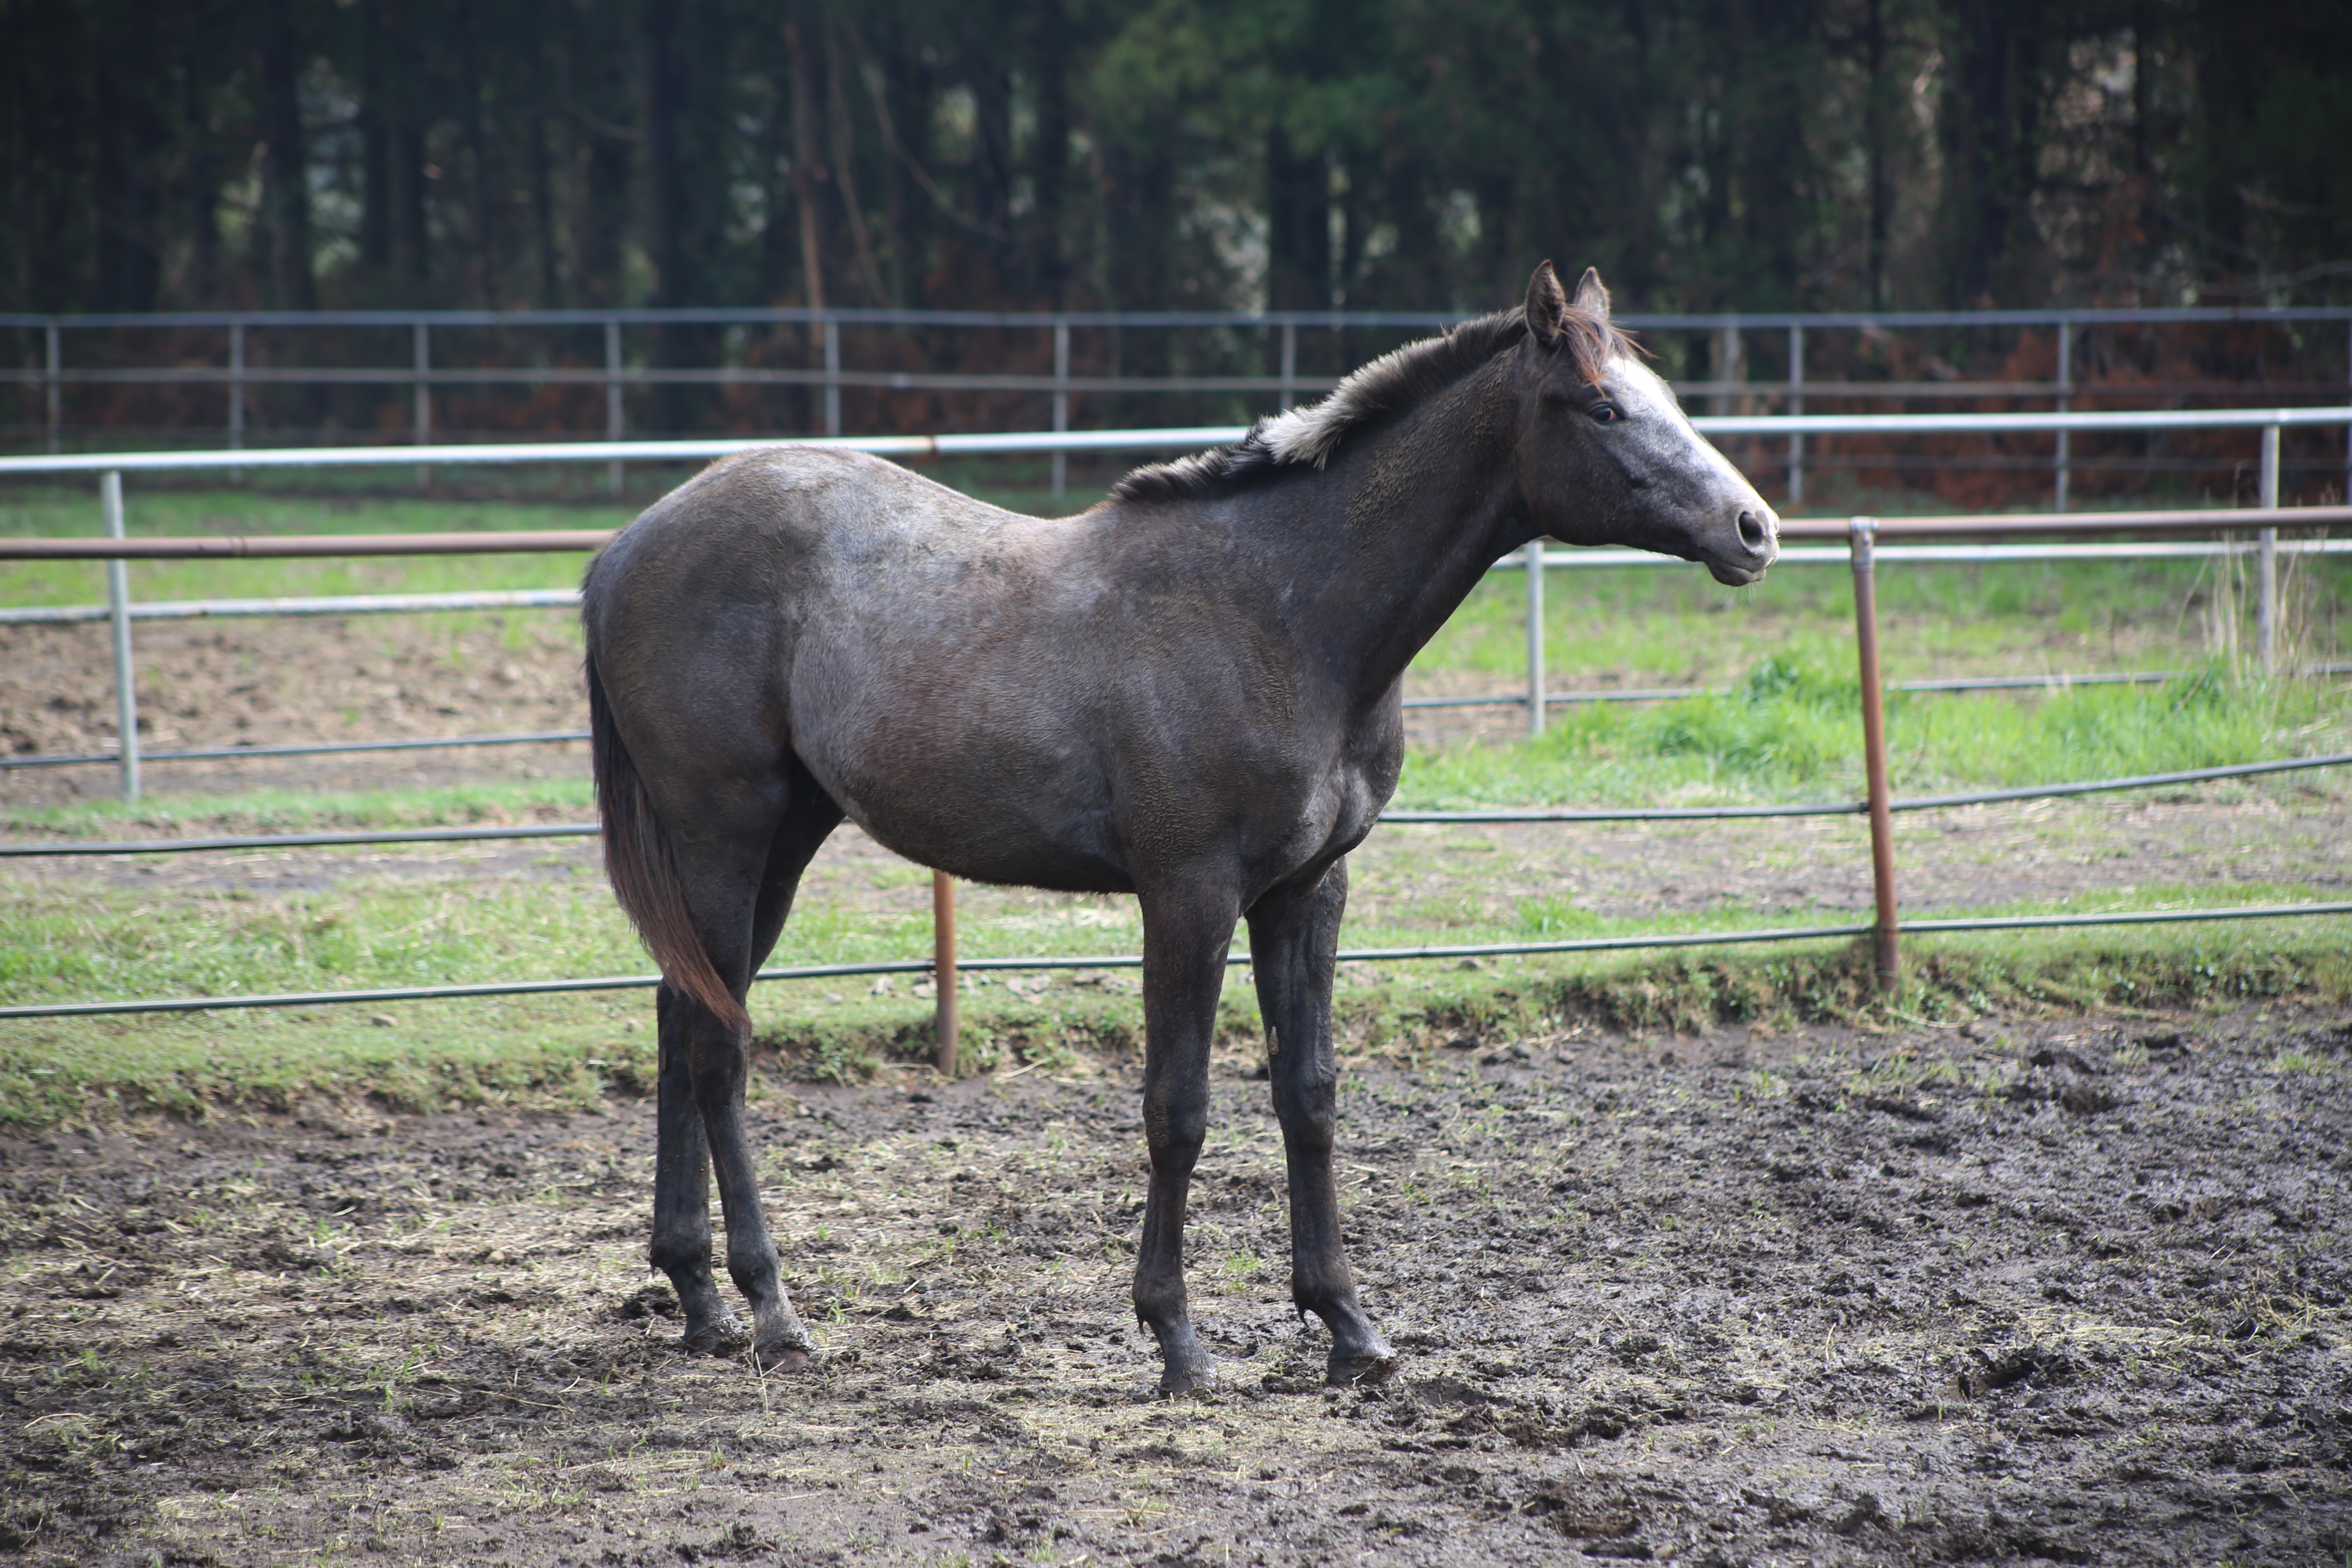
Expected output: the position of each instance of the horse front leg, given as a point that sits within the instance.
(1293, 938)
(1184, 939)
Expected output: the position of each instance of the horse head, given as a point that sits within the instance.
(1606, 454)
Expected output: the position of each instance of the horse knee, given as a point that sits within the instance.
(1175, 1128)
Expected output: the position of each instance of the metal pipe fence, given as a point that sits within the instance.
(817, 334)
(1861, 534)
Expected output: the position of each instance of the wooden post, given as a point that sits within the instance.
(943, 967)
(118, 594)
(1289, 362)
(1862, 537)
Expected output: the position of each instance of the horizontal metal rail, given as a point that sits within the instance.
(725, 315)
(508, 453)
(1516, 813)
(569, 598)
(1664, 694)
(1135, 960)
(1155, 438)
(322, 749)
(641, 377)
(329, 546)
(319, 605)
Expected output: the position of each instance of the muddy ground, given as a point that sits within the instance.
(2041, 1290)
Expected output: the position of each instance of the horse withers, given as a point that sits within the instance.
(1190, 692)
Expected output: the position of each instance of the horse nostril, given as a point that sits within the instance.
(1752, 531)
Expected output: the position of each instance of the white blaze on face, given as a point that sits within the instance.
(1657, 426)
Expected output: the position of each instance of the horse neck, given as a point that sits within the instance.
(1426, 506)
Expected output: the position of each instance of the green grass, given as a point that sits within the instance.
(1786, 730)
(571, 1049)
(1791, 730)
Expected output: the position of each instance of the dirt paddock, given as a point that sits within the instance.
(2056, 1290)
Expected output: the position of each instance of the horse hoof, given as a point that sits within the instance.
(1200, 1379)
(787, 1359)
(1346, 1372)
(724, 1336)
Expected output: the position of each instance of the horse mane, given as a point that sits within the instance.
(1389, 386)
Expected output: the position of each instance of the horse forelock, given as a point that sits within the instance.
(1391, 385)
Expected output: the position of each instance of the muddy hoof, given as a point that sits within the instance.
(1200, 1379)
(1344, 1372)
(787, 1359)
(725, 1336)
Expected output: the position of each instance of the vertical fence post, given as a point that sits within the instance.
(832, 378)
(423, 420)
(2066, 383)
(1796, 405)
(2266, 606)
(1862, 539)
(118, 596)
(1061, 404)
(613, 399)
(1534, 637)
(236, 397)
(1289, 362)
(943, 967)
(55, 380)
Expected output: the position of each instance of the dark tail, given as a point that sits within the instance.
(642, 867)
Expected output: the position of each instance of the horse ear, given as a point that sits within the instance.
(1590, 297)
(1547, 304)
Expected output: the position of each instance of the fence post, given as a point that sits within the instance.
(2065, 381)
(117, 595)
(1289, 362)
(55, 379)
(424, 416)
(832, 378)
(1534, 637)
(2266, 604)
(236, 397)
(1863, 538)
(613, 400)
(943, 967)
(1730, 365)
(1796, 405)
(1061, 404)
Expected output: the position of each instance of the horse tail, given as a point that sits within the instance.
(641, 861)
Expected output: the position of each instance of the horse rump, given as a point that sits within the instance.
(642, 865)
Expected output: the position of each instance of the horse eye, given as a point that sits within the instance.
(1605, 413)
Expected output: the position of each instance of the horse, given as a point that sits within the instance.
(1190, 692)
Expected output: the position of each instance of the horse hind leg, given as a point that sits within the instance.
(739, 889)
(1294, 941)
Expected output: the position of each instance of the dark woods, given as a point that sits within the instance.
(1707, 154)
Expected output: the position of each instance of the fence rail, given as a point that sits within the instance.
(1861, 535)
(827, 377)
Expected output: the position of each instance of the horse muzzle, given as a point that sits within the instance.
(1754, 544)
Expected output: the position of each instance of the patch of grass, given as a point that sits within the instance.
(1791, 730)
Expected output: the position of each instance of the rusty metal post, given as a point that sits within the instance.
(943, 966)
(1061, 405)
(421, 421)
(1863, 537)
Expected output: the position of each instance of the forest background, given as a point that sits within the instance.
(1151, 155)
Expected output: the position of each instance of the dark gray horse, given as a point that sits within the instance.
(1189, 693)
